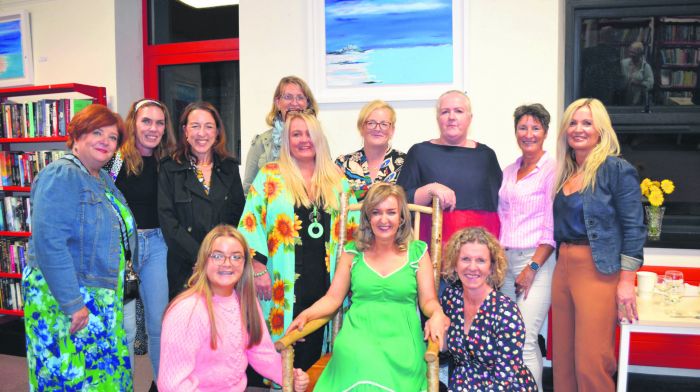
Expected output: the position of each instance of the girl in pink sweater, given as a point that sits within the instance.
(214, 329)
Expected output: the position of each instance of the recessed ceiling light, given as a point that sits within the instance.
(209, 3)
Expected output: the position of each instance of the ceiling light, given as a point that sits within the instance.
(209, 3)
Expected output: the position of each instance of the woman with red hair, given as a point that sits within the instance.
(83, 236)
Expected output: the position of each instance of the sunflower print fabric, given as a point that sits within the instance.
(271, 229)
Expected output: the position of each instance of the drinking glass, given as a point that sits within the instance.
(673, 280)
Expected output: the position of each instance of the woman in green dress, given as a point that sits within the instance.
(83, 236)
(381, 346)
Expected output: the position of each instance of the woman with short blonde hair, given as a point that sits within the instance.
(482, 317)
(376, 161)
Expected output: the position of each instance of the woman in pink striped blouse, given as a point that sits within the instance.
(525, 212)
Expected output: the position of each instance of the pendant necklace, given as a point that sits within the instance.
(315, 229)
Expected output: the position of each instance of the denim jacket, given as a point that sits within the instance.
(613, 216)
(76, 237)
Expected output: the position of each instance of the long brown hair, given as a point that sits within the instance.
(200, 286)
(182, 151)
(130, 155)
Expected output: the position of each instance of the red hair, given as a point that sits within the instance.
(93, 117)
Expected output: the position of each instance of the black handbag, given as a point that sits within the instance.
(131, 282)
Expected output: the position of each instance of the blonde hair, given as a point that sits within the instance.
(379, 192)
(130, 154)
(327, 178)
(310, 100)
(475, 235)
(367, 110)
(608, 144)
(200, 286)
(446, 93)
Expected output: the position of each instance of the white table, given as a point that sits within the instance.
(653, 319)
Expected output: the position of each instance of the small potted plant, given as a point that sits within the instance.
(654, 192)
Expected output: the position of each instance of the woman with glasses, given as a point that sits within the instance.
(376, 161)
(291, 95)
(199, 187)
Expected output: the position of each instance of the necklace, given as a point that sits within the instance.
(315, 229)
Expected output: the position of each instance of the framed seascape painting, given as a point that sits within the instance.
(387, 49)
(16, 67)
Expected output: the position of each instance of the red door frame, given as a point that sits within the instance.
(180, 53)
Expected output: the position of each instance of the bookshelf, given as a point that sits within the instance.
(678, 56)
(32, 119)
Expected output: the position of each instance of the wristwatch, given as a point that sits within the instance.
(534, 266)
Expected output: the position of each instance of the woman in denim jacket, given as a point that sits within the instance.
(83, 235)
(600, 237)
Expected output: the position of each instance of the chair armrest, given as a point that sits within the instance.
(431, 353)
(292, 336)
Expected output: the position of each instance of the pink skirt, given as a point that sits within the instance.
(457, 220)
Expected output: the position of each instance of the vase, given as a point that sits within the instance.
(655, 217)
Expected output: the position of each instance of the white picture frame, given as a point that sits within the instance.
(16, 61)
(326, 93)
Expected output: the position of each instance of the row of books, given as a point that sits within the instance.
(46, 117)
(11, 294)
(13, 255)
(680, 56)
(680, 32)
(671, 78)
(19, 168)
(16, 212)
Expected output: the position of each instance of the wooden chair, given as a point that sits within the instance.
(284, 345)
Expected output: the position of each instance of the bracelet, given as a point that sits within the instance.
(259, 274)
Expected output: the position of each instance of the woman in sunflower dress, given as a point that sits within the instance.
(290, 220)
(381, 345)
(83, 234)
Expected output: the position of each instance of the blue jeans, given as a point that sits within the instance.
(151, 267)
(130, 327)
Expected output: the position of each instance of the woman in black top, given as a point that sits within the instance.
(134, 170)
(199, 187)
(462, 173)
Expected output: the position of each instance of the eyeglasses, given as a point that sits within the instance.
(384, 125)
(290, 98)
(219, 258)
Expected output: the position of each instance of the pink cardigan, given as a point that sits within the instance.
(187, 362)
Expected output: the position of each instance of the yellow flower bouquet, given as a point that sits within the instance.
(654, 192)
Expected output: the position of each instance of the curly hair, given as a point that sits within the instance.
(364, 237)
(475, 235)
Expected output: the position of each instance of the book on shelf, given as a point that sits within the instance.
(43, 118)
(13, 257)
(11, 294)
(17, 213)
(19, 168)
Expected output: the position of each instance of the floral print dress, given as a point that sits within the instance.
(96, 358)
(356, 170)
(490, 356)
(271, 229)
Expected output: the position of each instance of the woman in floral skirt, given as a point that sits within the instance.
(83, 234)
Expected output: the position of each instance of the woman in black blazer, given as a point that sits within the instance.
(199, 187)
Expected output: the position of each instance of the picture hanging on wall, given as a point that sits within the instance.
(389, 49)
(16, 66)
